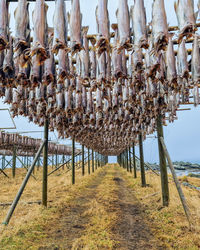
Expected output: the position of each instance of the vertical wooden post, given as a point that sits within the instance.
(143, 179)
(56, 157)
(127, 160)
(178, 186)
(134, 162)
(83, 163)
(73, 162)
(3, 162)
(163, 164)
(130, 162)
(45, 163)
(92, 161)
(88, 161)
(14, 162)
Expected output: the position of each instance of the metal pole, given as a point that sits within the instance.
(163, 164)
(88, 161)
(45, 164)
(17, 198)
(143, 179)
(83, 163)
(134, 162)
(14, 162)
(73, 162)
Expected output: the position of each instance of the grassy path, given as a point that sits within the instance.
(104, 211)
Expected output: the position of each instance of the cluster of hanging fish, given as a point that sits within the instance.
(102, 90)
(27, 144)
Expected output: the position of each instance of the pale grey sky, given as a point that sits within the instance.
(182, 137)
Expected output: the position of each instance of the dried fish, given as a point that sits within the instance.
(22, 30)
(138, 14)
(159, 25)
(75, 19)
(4, 21)
(60, 26)
(39, 22)
(123, 20)
(186, 18)
(103, 24)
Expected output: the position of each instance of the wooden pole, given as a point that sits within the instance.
(14, 162)
(127, 161)
(163, 164)
(73, 162)
(134, 162)
(45, 163)
(88, 161)
(17, 198)
(143, 179)
(83, 163)
(130, 162)
(178, 186)
(92, 161)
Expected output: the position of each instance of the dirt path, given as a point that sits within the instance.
(105, 215)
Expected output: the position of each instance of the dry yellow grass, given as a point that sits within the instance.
(171, 225)
(93, 204)
(58, 183)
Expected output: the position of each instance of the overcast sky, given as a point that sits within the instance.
(182, 137)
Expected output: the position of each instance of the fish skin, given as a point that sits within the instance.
(75, 19)
(35, 71)
(2, 74)
(186, 18)
(62, 66)
(159, 25)
(102, 68)
(39, 32)
(195, 65)
(93, 61)
(103, 24)
(123, 20)
(84, 55)
(4, 24)
(60, 21)
(117, 70)
(8, 66)
(182, 63)
(49, 64)
(22, 30)
(138, 14)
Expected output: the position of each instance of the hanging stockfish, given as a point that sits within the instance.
(182, 64)
(22, 32)
(60, 27)
(4, 24)
(171, 64)
(195, 65)
(49, 64)
(138, 16)
(116, 57)
(159, 25)
(123, 20)
(75, 20)
(84, 56)
(8, 66)
(39, 32)
(186, 18)
(151, 61)
(103, 24)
